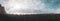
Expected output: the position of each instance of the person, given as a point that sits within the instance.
(2, 10)
(0, 5)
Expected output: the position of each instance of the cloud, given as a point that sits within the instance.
(29, 6)
(57, 11)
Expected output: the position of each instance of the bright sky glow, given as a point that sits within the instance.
(30, 6)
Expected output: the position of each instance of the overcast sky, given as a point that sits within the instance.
(31, 6)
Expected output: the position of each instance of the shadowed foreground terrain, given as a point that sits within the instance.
(41, 17)
(37, 17)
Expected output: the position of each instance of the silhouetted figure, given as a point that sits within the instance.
(0, 5)
(2, 10)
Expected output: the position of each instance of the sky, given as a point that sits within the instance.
(31, 6)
